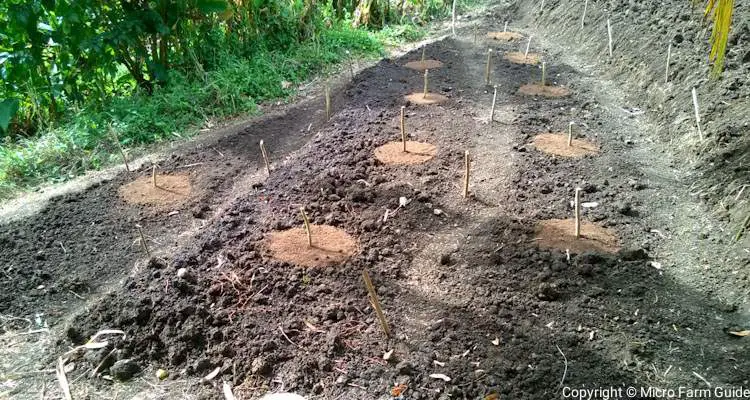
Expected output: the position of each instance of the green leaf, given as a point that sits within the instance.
(212, 6)
(8, 109)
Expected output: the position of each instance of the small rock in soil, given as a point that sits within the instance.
(404, 368)
(633, 255)
(445, 259)
(548, 292)
(260, 366)
(123, 370)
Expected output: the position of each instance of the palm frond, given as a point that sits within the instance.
(721, 10)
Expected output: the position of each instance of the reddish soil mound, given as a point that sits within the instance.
(421, 99)
(331, 246)
(392, 153)
(557, 144)
(505, 36)
(423, 65)
(559, 234)
(518, 57)
(546, 90)
(170, 189)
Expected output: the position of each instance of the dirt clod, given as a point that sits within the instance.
(123, 370)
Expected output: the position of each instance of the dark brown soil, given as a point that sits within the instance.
(330, 246)
(466, 288)
(392, 153)
(557, 144)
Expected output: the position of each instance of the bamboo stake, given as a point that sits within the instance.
(578, 213)
(328, 101)
(153, 176)
(544, 73)
(372, 294)
(453, 24)
(487, 68)
(609, 33)
(351, 64)
(306, 222)
(528, 45)
(426, 72)
(475, 34)
(697, 114)
(403, 127)
(265, 157)
(583, 17)
(122, 152)
(570, 133)
(669, 57)
(467, 162)
(505, 29)
(143, 241)
(494, 98)
(423, 55)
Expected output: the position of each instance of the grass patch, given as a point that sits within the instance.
(83, 140)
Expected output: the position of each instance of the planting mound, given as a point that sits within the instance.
(546, 90)
(559, 234)
(331, 246)
(170, 189)
(392, 153)
(505, 36)
(518, 57)
(421, 99)
(557, 144)
(423, 65)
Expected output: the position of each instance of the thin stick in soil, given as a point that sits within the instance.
(122, 152)
(528, 46)
(328, 101)
(453, 23)
(492, 110)
(578, 213)
(570, 133)
(306, 222)
(264, 153)
(565, 372)
(62, 379)
(697, 114)
(143, 241)
(153, 176)
(505, 28)
(742, 229)
(487, 68)
(583, 16)
(544, 73)
(426, 72)
(423, 54)
(609, 33)
(403, 128)
(669, 59)
(376, 303)
(467, 167)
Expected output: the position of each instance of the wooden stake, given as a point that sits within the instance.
(583, 17)
(487, 68)
(306, 222)
(351, 64)
(403, 127)
(467, 162)
(426, 72)
(475, 34)
(153, 175)
(578, 213)
(544, 73)
(328, 101)
(122, 152)
(609, 33)
(372, 294)
(570, 133)
(453, 24)
(265, 157)
(505, 29)
(528, 45)
(697, 114)
(494, 98)
(423, 55)
(143, 241)
(669, 57)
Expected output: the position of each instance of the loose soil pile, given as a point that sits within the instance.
(169, 189)
(517, 57)
(423, 65)
(331, 246)
(505, 36)
(392, 153)
(544, 90)
(421, 99)
(557, 144)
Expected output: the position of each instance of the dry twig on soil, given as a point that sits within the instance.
(376, 303)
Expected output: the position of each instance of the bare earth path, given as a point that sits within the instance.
(466, 289)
